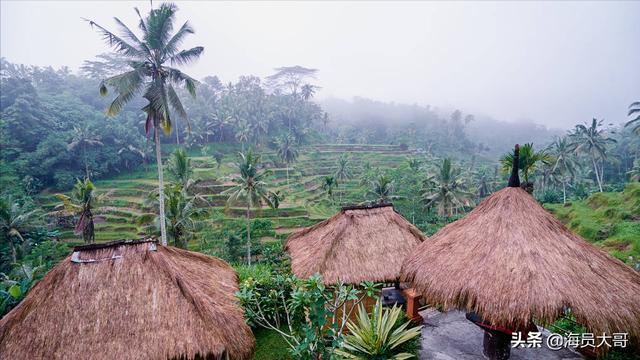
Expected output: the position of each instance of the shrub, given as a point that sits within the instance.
(64, 180)
(303, 312)
(257, 273)
(379, 336)
(47, 253)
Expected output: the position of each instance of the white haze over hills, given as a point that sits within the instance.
(499, 136)
(555, 63)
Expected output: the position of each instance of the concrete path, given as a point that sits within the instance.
(450, 336)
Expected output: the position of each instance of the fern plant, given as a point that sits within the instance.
(378, 336)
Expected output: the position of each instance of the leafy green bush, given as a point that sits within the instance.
(303, 312)
(14, 287)
(256, 273)
(47, 253)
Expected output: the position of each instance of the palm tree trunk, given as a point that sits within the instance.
(177, 134)
(86, 164)
(287, 165)
(163, 228)
(595, 168)
(249, 233)
(564, 192)
(12, 247)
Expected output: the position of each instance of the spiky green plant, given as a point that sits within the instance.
(377, 337)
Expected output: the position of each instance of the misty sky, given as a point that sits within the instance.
(553, 63)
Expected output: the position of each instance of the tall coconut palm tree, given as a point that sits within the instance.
(343, 171)
(634, 124)
(382, 188)
(250, 187)
(83, 137)
(565, 164)
(15, 220)
(446, 189)
(82, 200)
(149, 57)
(592, 141)
(528, 161)
(287, 151)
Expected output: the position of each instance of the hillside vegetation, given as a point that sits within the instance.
(609, 219)
(126, 215)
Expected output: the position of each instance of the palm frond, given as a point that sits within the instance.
(117, 43)
(141, 24)
(127, 85)
(176, 103)
(178, 77)
(634, 108)
(158, 106)
(186, 56)
(172, 45)
(159, 25)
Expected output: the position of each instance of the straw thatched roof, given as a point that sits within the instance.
(510, 261)
(130, 300)
(366, 243)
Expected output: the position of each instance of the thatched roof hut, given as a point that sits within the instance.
(360, 243)
(511, 261)
(130, 300)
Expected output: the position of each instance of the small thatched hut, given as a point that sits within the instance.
(130, 300)
(510, 261)
(360, 243)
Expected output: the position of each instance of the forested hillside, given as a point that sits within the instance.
(65, 160)
(611, 220)
(151, 194)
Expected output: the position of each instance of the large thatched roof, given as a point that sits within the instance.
(511, 261)
(366, 243)
(130, 300)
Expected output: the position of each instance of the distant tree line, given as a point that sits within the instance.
(54, 129)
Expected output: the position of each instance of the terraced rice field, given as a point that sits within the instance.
(126, 215)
